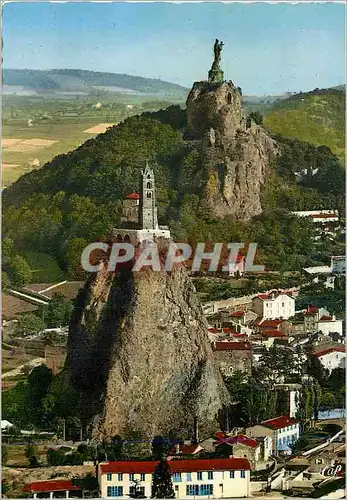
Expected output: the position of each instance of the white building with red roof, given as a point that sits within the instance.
(332, 357)
(318, 319)
(47, 489)
(212, 478)
(274, 305)
(285, 431)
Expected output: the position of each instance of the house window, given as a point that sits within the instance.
(199, 476)
(142, 477)
(210, 474)
(243, 474)
(232, 474)
(114, 491)
(176, 477)
(199, 490)
(189, 476)
(132, 477)
(120, 477)
(109, 477)
(149, 185)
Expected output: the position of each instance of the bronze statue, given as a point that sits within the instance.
(217, 48)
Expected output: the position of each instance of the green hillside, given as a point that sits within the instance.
(317, 117)
(76, 80)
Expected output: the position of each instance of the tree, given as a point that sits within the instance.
(38, 384)
(31, 454)
(162, 481)
(256, 117)
(328, 400)
(29, 324)
(160, 447)
(19, 271)
(58, 312)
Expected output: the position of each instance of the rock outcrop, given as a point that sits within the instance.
(237, 151)
(139, 350)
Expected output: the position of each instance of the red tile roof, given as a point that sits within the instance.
(273, 333)
(238, 314)
(323, 216)
(326, 318)
(185, 449)
(54, 485)
(239, 439)
(228, 330)
(232, 346)
(270, 323)
(323, 352)
(311, 310)
(213, 330)
(238, 335)
(132, 196)
(279, 422)
(193, 465)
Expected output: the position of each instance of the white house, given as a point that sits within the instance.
(283, 430)
(212, 478)
(333, 357)
(274, 305)
(319, 320)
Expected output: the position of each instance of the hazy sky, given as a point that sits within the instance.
(269, 48)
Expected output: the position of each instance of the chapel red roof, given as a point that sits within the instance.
(279, 422)
(232, 346)
(193, 465)
(132, 196)
(53, 485)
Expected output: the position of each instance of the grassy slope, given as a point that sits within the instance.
(313, 117)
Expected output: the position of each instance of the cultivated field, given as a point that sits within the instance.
(35, 129)
(100, 128)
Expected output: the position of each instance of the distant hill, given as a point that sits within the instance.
(317, 117)
(77, 80)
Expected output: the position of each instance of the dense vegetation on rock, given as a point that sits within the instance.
(76, 198)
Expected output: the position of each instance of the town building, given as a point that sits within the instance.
(284, 431)
(242, 446)
(319, 216)
(232, 356)
(332, 357)
(212, 478)
(184, 450)
(274, 305)
(57, 488)
(319, 320)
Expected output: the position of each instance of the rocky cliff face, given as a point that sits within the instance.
(237, 152)
(139, 349)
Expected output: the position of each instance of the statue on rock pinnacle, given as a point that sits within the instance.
(215, 75)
